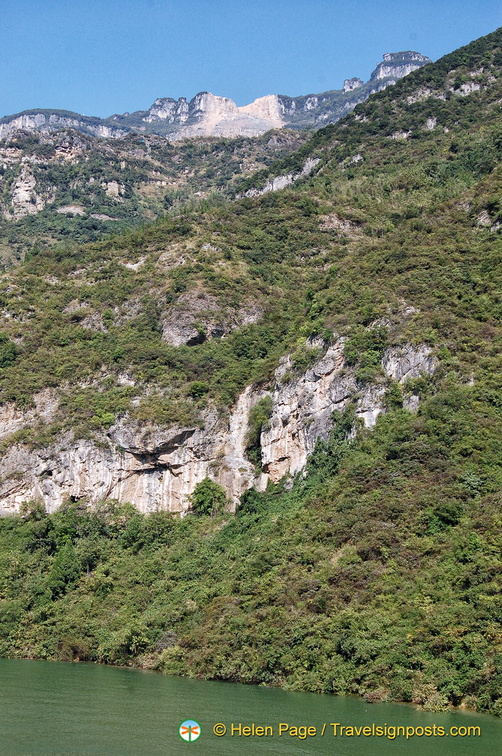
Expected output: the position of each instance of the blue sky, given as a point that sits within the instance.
(99, 57)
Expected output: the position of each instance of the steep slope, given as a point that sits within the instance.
(66, 187)
(209, 115)
(169, 325)
(369, 287)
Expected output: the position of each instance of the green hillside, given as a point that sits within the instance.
(84, 189)
(377, 573)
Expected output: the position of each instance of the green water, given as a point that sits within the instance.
(60, 709)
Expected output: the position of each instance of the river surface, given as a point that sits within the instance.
(57, 709)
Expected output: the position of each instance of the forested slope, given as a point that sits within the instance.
(66, 188)
(377, 573)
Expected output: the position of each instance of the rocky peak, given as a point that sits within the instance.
(350, 84)
(165, 108)
(399, 64)
(208, 104)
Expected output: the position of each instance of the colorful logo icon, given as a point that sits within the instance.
(190, 730)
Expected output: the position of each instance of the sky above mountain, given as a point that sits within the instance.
(103, 56)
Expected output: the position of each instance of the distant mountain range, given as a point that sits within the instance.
(209, 115)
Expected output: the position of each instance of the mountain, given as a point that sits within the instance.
(224, 287)
(311, 376)
(65, 187)
(67, 179)
(209, 115)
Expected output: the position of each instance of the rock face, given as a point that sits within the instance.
(167, 109)
(302, 409)
(157, 468)
(210, 115)
(280, 182)
(24, 199)
(12, 419)
(350, 84)
(195, 319)
(47, 120)
(220, 116)
(396, 65)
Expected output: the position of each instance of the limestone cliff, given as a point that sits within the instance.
(49, 120)
(280, 182)
(157, 468)
(396, 65)
(220, 116)
(207, 114)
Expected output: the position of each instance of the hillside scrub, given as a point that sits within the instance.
(93, 188)
(377, 574)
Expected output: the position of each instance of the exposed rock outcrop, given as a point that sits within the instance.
(302, 408)
(47, 120)
(396, 65)
(350, 84)
(280, 182)
(197, 318)
(167, 109)
(24, 199)
(13, 419)
(157, 468)
(220, 116)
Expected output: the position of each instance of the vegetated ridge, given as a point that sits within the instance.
(375, 571)
(65, 188)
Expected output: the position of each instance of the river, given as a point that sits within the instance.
(58, 709)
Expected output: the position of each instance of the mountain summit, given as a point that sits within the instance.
(210, 115)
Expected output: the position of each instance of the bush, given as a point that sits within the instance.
(208, 498)
(198, 389)
(366, 346)
(8, 351)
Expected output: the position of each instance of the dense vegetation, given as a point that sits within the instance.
(379, 580)
(87, 188)
(377, 573)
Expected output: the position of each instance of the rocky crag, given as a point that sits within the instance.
(159, 468)
(209, 115)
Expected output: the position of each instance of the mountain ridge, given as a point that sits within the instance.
(211, 115)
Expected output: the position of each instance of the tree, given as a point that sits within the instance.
(208, 498)
(65, 569)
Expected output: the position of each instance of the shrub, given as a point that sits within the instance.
(8, 351)
(208, 498)
(198, 389)
(365, 346)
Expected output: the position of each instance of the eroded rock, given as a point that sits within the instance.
(158, 468)
(194, 319)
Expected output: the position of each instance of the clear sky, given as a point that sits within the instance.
(100, 57)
